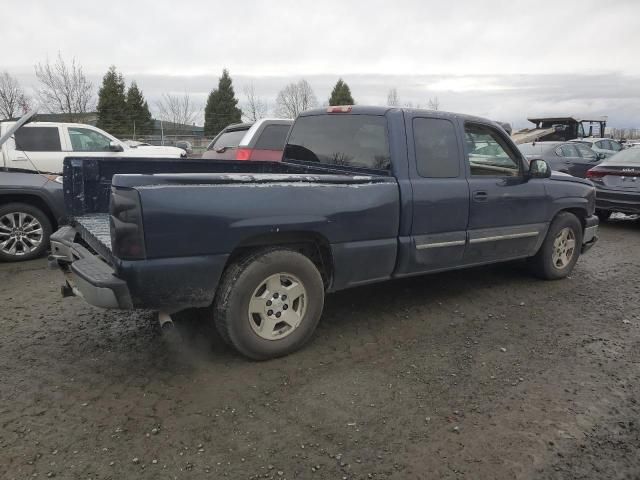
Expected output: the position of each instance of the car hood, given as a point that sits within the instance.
(156, 150)
(565, 177)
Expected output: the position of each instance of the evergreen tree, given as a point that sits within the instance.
(341, 94)
(139, 119)
(222, 106)
(112, 105)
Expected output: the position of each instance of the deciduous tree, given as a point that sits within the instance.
(13, 101)
(294, 99)
(64, 88)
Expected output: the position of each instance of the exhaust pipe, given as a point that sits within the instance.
(164, 319)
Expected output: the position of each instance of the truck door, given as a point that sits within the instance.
(507, 214)
(440, 195)
(36, 148)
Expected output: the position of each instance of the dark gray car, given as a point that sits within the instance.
(31, 207)
(568, 157)
(617, 181)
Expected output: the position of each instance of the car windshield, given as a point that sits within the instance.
(229, 139)
(631, 155)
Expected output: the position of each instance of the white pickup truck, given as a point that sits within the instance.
(42, 146)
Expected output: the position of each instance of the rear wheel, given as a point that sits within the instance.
(561, 248)
(24, 232)
(269, 303)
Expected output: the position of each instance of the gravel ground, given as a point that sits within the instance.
(486, 373)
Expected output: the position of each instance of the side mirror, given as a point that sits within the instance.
(539, 168)
(600, 156)
(115, 147)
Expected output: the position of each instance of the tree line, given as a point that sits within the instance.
(63, 88)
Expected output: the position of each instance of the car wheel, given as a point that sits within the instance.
(269, 304)
(24, 232)
(603, 215)
(561, 248)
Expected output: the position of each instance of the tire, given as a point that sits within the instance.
(546, 263)
(603, 215)
(31, 239)
(269, 303)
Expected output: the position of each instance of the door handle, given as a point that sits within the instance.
(480, 196)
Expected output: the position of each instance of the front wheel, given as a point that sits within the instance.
(561, 248)
(24, 232)
(269, 304)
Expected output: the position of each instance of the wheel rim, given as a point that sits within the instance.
(564, 247)
(20, 233)
(277, 306)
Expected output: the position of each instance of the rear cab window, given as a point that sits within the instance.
(342, 140)
(38, 139)
(228, 139)
(272, 137)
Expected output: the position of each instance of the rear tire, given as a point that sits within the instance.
(24, 232)
(560, 250)
(269, 303)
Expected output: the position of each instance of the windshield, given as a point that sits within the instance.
(229, 139)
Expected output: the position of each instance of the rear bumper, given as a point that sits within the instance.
(590, 234)
(166, 284)
(86, 274)
(618, 201)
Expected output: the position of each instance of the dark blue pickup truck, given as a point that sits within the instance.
(363, 195)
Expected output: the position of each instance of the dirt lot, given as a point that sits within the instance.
(485, 373)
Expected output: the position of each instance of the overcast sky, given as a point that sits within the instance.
(501, 59)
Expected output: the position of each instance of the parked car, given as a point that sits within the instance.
(363, 195)
(31, 207)
(262, 140)
(605, 147)
(617, 181)
(568, 157)
(41, 146)
(185, 145)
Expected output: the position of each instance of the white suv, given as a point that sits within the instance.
(42, 146)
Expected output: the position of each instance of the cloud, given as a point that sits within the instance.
(500, 59)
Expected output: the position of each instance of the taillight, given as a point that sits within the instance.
(340, 109)
(596, 173)
(593, 173)
(125, 221)
(243, 154)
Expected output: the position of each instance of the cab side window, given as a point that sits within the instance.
(488, 153)
(87, 140)
(436, 145)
